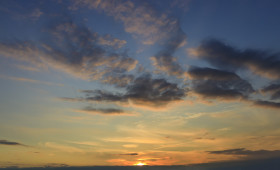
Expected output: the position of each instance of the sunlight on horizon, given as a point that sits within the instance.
(140, 164)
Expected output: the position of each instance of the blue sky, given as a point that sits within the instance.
(125, 82)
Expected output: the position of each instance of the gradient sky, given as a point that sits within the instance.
(119, 82)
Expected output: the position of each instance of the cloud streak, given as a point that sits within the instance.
(104, 111)
(10, 143)
(249, 153)
(267, 104)
(30, 80)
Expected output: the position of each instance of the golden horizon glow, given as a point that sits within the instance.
(140, 164)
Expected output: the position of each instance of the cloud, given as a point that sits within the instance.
(35, 15)
(210, 73)
(28, 68)
(71, 48)
(214, 83)
(6, 142)
(130, 146)
(108, 40)
(17, 11)
(249, 153)
(142, 20)
(144, 90)
(274, 89)
(30, 80)
(224, 56)
(181, 4)
(63, 148)
(119, 80)
(129, 154)
(148, 25)
(267, 104)
(106, 111)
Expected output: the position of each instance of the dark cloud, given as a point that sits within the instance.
(213, 83)
(249, 153)
(267, 104)
(105, 111)
(143, 90)
(254, 164)
(274, 89)
(210, 73)
(129, 154)
(224, 56)
(6, 142)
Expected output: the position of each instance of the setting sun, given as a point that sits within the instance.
(140, 164)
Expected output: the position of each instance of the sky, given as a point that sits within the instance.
(127, 82)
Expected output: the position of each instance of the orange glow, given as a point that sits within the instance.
(140, 164)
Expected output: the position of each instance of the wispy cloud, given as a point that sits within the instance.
(148, 25)
(64, 148)
(71, 48)
(30, 80)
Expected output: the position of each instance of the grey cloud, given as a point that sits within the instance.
(267, 104)
(226, 57)
(210, 73)
(129, 154)
(213, 83)
(274, 89)
(143, 90)
(249, 153)
(69, 99)
(6, 142)
(105, 111)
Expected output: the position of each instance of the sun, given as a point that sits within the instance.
(140, 164)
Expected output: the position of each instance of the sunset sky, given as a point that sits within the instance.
(155, 82)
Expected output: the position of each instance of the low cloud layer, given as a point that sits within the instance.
(253, 154)
(267, 104)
